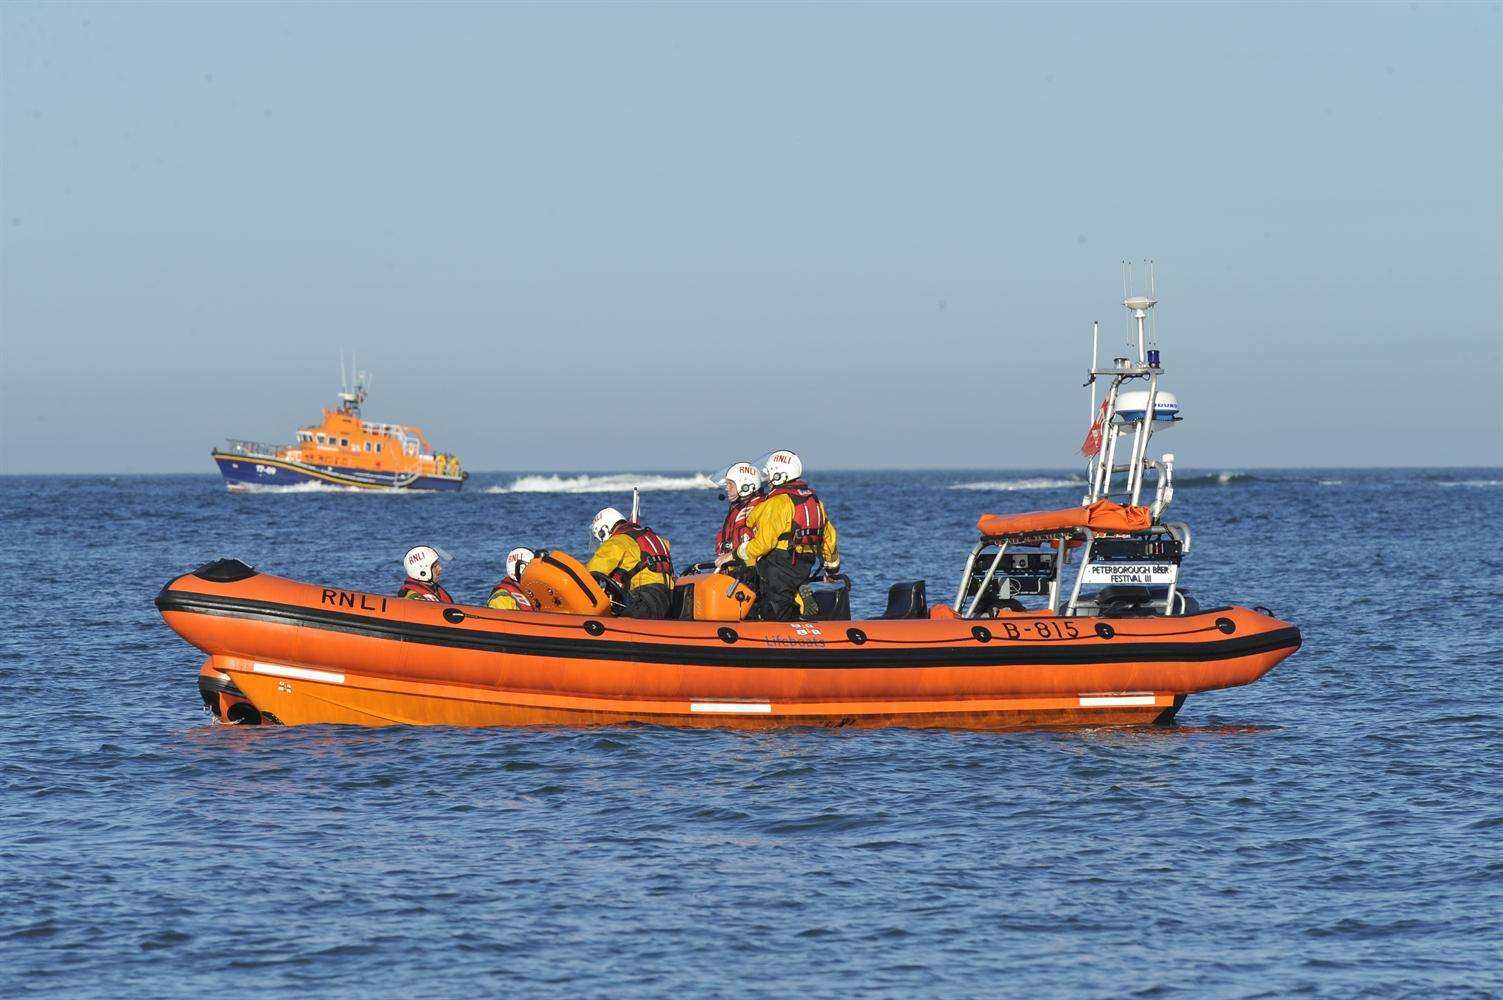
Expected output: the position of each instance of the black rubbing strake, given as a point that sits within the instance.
(813, 657)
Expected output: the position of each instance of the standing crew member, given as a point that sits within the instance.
(790, 533)
(740, 484)
(425, 564)
(507, 595)
(638, 559)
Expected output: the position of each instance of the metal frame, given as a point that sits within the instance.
(1177, 530)
(1101, 468)
(1002, 542)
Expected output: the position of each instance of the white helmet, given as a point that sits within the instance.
(780, 467)
(516, 562)
(421, 560)
(739, 481)
(605, 522)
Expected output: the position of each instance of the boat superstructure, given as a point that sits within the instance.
(343, 450)
(1126, 557)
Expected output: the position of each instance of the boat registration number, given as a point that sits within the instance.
(1145, 574)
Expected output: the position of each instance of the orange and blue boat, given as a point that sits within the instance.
(345, 451)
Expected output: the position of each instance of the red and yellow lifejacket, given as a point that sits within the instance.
(420, 591)
(734, 530)
(807, 533)
(653, 554)
(513, 589)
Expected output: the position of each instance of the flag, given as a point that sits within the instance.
(1092, 443)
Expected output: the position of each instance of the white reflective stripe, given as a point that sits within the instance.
(297, 673)
(1100, 701)
(761, 708)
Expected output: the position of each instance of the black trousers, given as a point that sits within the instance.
(651, 600)
(778, 580)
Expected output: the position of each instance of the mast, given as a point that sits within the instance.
(350, 397)
(1141, 341)
(1091, 411)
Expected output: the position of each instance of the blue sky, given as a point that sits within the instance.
(629, 237)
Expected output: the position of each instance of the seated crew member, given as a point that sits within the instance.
(740, 484)
(425, 565)
(790, 532)
(638, 559)
(507, 595)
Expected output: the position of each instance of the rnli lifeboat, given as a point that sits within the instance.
(296, 653)
(1074, 617)
(343, 451)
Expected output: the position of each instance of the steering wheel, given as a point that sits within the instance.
(613, 592)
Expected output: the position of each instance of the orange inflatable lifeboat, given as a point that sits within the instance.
(297, 653)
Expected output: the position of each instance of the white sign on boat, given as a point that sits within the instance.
(1143, 574)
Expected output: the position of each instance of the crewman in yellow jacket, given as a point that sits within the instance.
(638, 559)
(790, 533)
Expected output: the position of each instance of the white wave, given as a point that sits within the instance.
(1012, 485)
(1330, 482)
(614, 483)
(1213, 479)
(1475, 483)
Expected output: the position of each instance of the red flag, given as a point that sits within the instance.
(1092, 443)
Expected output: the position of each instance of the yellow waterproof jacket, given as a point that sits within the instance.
(620, 554)
(773, 518)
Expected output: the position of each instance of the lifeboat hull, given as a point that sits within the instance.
(242, 472)
(224, 700)
(302, 654)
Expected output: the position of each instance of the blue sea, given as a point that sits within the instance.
(1335, 829)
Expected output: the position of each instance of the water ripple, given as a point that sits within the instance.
(1331, 829)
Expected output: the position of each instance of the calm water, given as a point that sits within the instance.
(1336, 828)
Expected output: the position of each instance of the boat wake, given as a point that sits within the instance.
(307, 487)
(1013, 485)
(613, 483)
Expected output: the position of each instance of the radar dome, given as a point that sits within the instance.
(1130, 407)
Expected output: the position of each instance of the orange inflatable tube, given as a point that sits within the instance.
(301, 653)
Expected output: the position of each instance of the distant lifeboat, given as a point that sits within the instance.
(343, 451)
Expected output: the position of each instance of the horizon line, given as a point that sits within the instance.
(1222, 467)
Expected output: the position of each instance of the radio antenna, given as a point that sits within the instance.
(1153, 334)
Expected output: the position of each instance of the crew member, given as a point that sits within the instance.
(790, 532)
(638, 559)
(425, 564)
(740, 484)
(507, 595)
